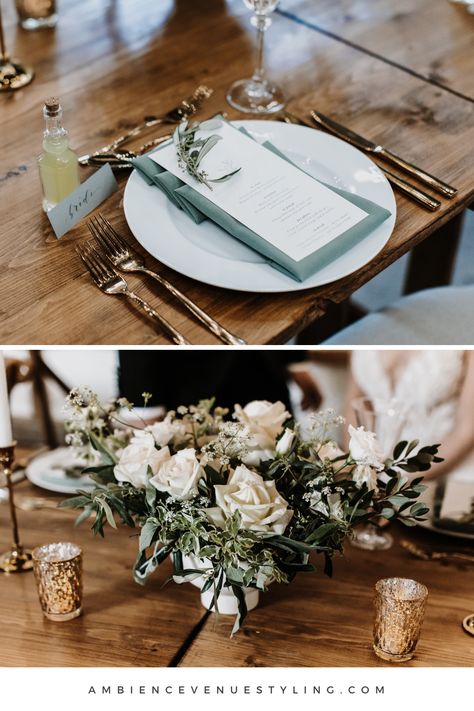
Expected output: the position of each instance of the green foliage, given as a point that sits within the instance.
(191, 150)
(324, 497)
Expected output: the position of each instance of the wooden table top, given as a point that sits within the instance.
(396, 33)
(314, 622)
(142, 59)
(124, 624)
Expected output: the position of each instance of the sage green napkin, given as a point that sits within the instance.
(198, 207)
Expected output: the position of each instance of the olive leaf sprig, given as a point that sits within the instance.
(191, 150)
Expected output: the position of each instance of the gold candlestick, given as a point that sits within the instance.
(17, 559)
(13, 75)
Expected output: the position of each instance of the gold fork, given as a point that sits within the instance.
(188, 107)
(107, 280)
(126, 259)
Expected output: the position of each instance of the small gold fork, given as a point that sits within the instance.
(107, 280)
(124, 258)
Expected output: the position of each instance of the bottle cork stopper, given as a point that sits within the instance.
(52, 106)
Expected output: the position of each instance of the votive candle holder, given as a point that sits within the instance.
(58, 573)
(399, 610)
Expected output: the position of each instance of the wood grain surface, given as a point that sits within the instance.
(314, 622)
(322, 622)
(111, 65)
(123, 624)
(431, 38)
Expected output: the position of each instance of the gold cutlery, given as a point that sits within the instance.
(403, 186)
(188, 107)
(108, 280)
(365, 145)
(121, 159)
(124, 258)
(426, 554)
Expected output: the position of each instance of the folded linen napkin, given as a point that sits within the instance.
(453, 506)
(199, 208)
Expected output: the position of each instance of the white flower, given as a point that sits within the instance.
(179, 475)
(260, 505)
(166, 430)
(136, 457)
(254, 457)
(285, 442)
(264, 420)
(364, 448)
(365, 474)
(330, 450)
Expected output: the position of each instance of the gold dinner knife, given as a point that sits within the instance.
(403, 186)
(370, 147)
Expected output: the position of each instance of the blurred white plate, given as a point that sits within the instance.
(48, 471)
(209, 254)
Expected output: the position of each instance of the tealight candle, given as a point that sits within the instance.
(6, 437)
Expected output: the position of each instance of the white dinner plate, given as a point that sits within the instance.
(209, 254)
(48, 471)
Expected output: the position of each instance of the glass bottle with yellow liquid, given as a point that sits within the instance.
(58, 164)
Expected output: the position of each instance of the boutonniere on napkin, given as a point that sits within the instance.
(191, 150)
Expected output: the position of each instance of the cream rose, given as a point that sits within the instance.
(166, 430)
(260, 505)
(179, 475)
(285, 442)
(264, 420)
(330, 450)
(136, 457)
(364, 448)
(364, 474)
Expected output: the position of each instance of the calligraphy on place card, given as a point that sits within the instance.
(82, 201)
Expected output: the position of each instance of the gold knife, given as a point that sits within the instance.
(370, 147)
(403, 186)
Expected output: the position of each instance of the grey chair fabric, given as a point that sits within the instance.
(441, 316)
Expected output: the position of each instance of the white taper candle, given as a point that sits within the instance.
(6, 437)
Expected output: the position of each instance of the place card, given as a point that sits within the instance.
(82, 201)
(289, 209)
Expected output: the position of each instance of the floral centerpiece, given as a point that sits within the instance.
(241, 501)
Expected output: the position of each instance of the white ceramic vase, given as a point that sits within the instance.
(227, 603)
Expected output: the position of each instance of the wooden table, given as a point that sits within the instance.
(111, 64)
(314, 622)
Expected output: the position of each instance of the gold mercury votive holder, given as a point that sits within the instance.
(58, 573)
(399, 610)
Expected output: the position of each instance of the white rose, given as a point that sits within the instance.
(330, 450)
(256, 456)
(364, 448)
(179, 475)
(264, 420)
(285, 442)
(260, 505)
(364, 474)
(164, 431)
(136, 457)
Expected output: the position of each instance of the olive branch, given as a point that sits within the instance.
(191, 150)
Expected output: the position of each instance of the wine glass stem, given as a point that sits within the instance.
(259, 73)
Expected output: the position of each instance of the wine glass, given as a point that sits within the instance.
(257, 94)
(386, 419)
